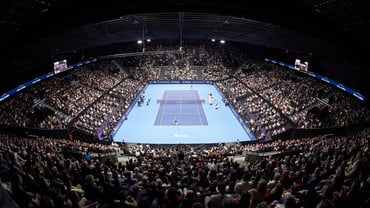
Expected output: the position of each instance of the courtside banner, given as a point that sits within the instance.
(338, 85)
(38, 79)
(322, 78)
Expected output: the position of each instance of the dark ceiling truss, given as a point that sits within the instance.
(125, 25)
(351, 16)
(183, 25)
(17, 14)
(37, 31)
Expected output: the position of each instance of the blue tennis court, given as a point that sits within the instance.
(180, 113)
(180, 107)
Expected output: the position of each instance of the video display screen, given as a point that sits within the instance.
(60, 66)
(301, 66)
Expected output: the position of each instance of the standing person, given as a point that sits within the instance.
(258, 194)
(217, 200)
(6, 198)
(245, 199)
(172, 199)
(92, 190)
(244, 184)
(197, 205)
(175, 121)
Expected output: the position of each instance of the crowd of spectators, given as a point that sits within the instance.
(269, 98)
(324, 171)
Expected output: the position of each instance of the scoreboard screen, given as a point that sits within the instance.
(301, 66)
(60, 66)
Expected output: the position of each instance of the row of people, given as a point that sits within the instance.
(325, 172)
(269, 98)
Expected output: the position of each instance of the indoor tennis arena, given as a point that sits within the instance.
(184, 104)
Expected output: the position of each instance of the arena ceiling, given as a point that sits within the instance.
(34, 31)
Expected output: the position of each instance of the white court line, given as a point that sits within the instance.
(180, 97)
(164, 110)
(199, 114)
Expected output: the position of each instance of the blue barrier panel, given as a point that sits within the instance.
(322, 78)
(38, 79)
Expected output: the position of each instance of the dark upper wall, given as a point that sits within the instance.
(27, 22)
